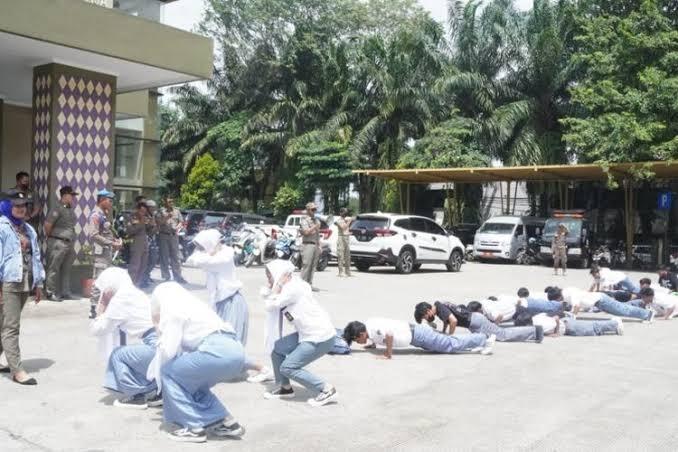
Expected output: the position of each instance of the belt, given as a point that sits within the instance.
(60, 238)
(309, 243)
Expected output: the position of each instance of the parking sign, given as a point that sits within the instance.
(664, 200)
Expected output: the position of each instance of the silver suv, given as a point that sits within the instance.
(404, 241)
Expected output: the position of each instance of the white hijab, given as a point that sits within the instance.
(217, 261)
(278, 269)
(127, 301)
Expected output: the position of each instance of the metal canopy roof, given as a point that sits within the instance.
(586, 172)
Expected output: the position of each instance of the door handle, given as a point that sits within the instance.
(414, 234)
(434, 238)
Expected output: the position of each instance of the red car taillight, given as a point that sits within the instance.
(384, 232)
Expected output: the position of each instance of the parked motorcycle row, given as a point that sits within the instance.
(254, 246)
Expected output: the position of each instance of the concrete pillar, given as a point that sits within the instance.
(73, 134)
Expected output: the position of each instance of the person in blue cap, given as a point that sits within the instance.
(102, 239)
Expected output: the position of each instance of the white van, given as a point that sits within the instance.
(503, 237)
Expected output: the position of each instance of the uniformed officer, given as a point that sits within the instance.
(103, 240)
(60, 233)
(139, 225)
(153, 252)
(309, 226)
(169, 223)
(32, 205)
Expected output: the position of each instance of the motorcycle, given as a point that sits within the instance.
(323, 260)
(469, 253)
(284, 246)
(602, 256)
(530, 254)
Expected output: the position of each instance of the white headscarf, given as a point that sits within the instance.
(127, 302)
(278, 269)
(217, 261)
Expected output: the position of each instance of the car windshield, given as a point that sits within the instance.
(497, 228)
(572, 224)
(370, 223)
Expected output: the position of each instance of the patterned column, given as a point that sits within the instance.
(74, 122)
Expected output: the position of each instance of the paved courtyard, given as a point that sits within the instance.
(567, 394)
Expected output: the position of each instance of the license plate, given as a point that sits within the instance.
(545, 250)
(488, 254)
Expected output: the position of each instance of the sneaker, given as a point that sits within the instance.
(233, 430)
(489, 344)
(651, 318)
(280, 393)
(315, 289)
(324, 397)
(188, 435)
(134, 403)
(263, 375)
(620, 326)
(540, 333)
(154, 401)
(69, 296)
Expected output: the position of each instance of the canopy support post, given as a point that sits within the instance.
(629, 217)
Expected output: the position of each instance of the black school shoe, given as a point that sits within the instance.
(233, 430)
(135, 403)
(280, 393)
(540, 333)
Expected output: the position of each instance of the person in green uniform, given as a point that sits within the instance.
(139, 226)
(21, 272)
(60, 233)
(309, 226)
(343, 246)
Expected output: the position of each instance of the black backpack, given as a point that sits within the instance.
(461, 312)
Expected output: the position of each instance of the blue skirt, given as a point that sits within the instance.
(187, 379)
(127, 366)
(234, 310)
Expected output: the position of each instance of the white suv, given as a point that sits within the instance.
(405, 241)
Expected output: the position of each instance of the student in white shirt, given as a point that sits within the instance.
(605, 279)
(290, 300)
(604, 302)
(224, 290)
(196, 350)
(400, 334)
(568, 326)
(123, 308)
(500, 309)
(664, 304)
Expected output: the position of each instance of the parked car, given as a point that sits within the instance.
(504, 237)
(465, 232)
(404, 241)
(580, 240)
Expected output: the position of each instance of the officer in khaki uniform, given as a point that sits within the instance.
(139, 225)
(309, 226)
(60, 233)
(169, 222)
(102, 239)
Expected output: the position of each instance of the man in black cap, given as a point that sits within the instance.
(60, 233)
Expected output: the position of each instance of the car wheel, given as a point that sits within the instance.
(454, 262)
(406, 262)
(362, 266)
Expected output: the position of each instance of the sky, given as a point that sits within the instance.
(185, 14)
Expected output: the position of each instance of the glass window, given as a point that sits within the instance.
(403, 223)
(434, 228)
(418, 225)
(497, 228)
(519, 230)
(128, 147)
(370, 223)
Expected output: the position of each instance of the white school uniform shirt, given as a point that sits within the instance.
(549, 323)
(218, 262)
(582, 298)
(298, 308)
(184, 322)
(504, 305)
(610, 278)
(129, 311)
(379, 328)
(664, 302)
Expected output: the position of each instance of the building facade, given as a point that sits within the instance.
(78, 94)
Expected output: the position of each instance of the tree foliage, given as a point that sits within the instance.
(200, 190)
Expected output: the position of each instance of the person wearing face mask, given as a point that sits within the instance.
(196, 350)
(32, 206)
(21, 272)
(124, 308)
(289, 300)
(224, 290)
